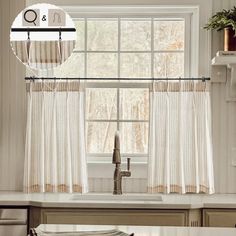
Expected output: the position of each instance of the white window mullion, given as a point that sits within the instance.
(187, 45)
(118, 89)
(85, 48)
(104, 120)
(152, 48)
(85, 76)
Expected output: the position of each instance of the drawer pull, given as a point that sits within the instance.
(12, 222)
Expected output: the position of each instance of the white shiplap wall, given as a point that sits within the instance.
(224, 139)
(12, 115)
(224, 120)
(12, 102)
(129, 185)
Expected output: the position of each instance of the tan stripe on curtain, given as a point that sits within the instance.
(67, 48)
(178, 189)
(49, 188)
(55, 85)
(43, 54)
(38, 55)
(20, 50)
(186, 86)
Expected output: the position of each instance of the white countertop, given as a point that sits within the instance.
(144, 230)
(173, 201)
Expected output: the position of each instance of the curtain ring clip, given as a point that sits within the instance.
(60, 34)
(28, 33)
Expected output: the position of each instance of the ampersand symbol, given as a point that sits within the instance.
(44, 18)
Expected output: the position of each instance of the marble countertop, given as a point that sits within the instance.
(143, 230)
(173, 201)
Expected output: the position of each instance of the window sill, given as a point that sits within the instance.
(104, 169)
(108, 163)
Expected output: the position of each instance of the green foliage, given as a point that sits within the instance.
(222, 19)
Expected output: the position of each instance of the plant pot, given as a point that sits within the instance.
(229, 39)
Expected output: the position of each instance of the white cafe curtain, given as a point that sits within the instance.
(55, 145)
(180, 155)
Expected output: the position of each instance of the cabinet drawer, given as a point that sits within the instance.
(219, 217)
(13, 230)
(10, 216)
(124, 217)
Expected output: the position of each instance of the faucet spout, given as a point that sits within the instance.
(117, 180)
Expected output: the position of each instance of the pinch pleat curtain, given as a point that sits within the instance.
(55, 158)
(43, 54)
(180, 153)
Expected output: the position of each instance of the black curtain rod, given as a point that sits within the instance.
(43, 29)
(146, 79)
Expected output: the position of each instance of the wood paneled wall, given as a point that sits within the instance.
(12, 102)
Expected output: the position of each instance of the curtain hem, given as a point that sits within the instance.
(178, 189)
(49, 188)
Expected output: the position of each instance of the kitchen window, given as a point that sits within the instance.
(115, 46)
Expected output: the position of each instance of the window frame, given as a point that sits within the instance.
(159, 15)
(190, 12)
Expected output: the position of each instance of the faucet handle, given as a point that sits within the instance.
(128, 163)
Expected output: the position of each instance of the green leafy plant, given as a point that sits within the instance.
(222, 19)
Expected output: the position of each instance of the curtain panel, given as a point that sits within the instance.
(180, 149)
(55, 158)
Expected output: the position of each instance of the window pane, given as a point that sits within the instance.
(79, 25)
(101, 103)
(169, 65)
(102, 35)
(168, 35)
(100, 136)
(134, 104)
(102, 65)
(136, 35)
(72, 67)
(136, 65)
(134, 137)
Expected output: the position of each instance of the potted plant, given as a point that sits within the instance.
(225, 20)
